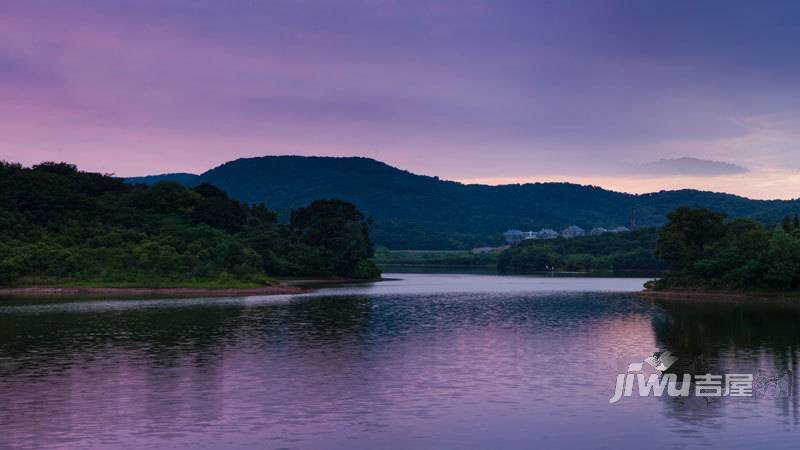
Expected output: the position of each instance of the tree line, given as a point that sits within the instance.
(59, 224)
(699, 248)
(613, 252)
(705, 249)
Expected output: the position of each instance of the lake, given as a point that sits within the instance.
(423, 361)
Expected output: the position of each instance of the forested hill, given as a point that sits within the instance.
(421, 212)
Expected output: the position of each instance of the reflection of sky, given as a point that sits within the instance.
(411, 283)
(437, 370)
(467, 90)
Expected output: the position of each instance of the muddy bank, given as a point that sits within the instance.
(47, 291)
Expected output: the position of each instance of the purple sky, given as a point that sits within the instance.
(488, 91)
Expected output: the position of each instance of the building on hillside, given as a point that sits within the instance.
(572, 231)
(514, 236)
(547, 233)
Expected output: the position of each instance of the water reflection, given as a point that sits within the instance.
(429, 362)
(735, 336)
(713, 327)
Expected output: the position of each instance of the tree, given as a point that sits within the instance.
(787, 224)
(338, 227)
(220, 212)
(8, 272)
(686, 236)
(784, 260)
(164, 198)
(737, 260)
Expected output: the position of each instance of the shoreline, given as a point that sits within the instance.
(287, 286)
(705, 294)
(314, 282)
(77, 291)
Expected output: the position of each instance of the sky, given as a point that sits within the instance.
(629, 95)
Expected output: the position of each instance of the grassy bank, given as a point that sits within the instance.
(451, 258)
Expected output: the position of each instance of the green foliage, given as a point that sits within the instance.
(683, 239)
(62, 225)
(632, 251)
(705, 250)
(8, 272)
(425, 213)
(366, 269)
(338, 231)
(783, 260)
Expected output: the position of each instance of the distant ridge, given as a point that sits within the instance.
(188, 179)
(422, 212)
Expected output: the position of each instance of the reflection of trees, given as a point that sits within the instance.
(167, 335)
(88, 365)
(160, 365)
(705, 327)
(329, 317)
(731, 337)
(161, 331)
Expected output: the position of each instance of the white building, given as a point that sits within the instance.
(597, 231)
(514, 236)
(547, 233)
(572, 231)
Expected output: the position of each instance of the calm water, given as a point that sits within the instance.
(424, 361)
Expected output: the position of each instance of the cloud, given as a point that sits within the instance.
(687, 166)
(459, 89)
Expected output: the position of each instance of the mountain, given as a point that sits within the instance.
(186, 179)
(421, 212)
